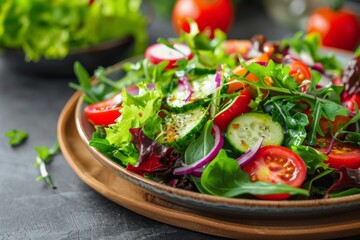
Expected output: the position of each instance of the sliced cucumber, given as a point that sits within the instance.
(203, 87)
(245, 130)
(180, 127)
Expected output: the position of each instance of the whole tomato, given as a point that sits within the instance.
(208, 14)
(338, 27)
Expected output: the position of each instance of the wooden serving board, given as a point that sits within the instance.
(138, 200)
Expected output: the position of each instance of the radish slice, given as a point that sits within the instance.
(244, 159)
(159, 52)
(187, 169)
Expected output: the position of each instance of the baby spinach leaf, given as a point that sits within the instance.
(201, 146)
(223, 177)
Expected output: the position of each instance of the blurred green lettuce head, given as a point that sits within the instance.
(51, 28)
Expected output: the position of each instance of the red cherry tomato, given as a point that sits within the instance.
(208, 14)
(341, 154)
(239, 106)
(337, 28)
(105, 112)
(234, 47)
(300, 71)
(277, 164)
(159, 52)
(350, 103)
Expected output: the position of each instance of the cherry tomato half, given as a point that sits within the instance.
(239, 106)
(341, 154)
(277, 164)
(337, 28)
(300, 71)
(159, 52)
(208, 14)
(105, 112)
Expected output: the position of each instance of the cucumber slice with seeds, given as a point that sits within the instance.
(245, 130)
(180, 127)
(202, 87)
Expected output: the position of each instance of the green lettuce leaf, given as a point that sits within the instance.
(50, 29)
(136, 111)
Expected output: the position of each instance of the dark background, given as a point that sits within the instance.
(31, 210)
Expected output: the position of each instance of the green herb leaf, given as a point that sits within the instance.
(45, 157)
(293, 123)
(17, 137)
(346, 192)
(313, 158)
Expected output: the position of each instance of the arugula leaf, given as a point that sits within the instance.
(313, 158)
(293, 123)
(234, 182)
(353, 137)
(347, 192)
(92, 93)
(45, 157)
(315, 127)
(318, 176)
(273, 74)
(17, 137)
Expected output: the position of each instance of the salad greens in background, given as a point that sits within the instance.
(52, 28)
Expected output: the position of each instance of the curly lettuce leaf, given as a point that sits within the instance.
(136, 111)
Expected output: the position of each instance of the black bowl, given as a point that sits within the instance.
(104, 54)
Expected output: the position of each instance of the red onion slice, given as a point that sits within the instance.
(219, 141)
(218, 76)
(244, 159)
(197, 172)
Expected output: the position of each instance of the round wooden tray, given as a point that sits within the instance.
(141, 201)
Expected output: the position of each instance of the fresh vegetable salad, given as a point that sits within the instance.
(233, 118)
